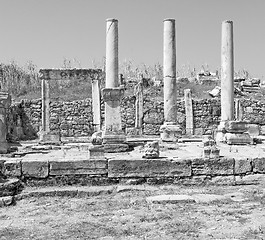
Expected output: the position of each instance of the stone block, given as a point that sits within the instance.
(235, 126)
(251, 179)
(243, 166)
(221, 166)
(148, 168)
(259, 165)
(35, 169)
(238, 139)
(12, 168)
(253, 130)
(91, 167)
(262, 130)
(96, 153)
(170, 132)
(115, 147)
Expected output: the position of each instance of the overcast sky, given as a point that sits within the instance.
(47, 31)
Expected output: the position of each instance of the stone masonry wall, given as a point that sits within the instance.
(75, 118)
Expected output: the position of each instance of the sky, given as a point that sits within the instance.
(48, 31)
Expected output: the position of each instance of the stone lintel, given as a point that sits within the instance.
(112, 94)
(70, 74)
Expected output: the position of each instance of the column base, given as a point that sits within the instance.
(232, 133)
(115, 147)
(114, 142)
(49, 138)
(238, 139)
(220, 133)
(170, 132)
(4, 147)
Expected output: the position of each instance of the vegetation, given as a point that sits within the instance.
(23, 82)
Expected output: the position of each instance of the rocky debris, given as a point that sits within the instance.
(216, 92)
(151, 150)
(6, 201)
(250, 85)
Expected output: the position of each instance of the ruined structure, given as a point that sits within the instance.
(48, 75)
(114, 139)
(170, 130)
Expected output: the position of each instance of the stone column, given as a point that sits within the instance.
(188, 112)
(45, 134)
(114, 139)
(227, 72)
(139, 112)
(170, 131)
(45, 110)
(96, 104)
(227, 78)
(5, 101)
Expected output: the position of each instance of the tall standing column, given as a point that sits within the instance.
(227, 79)
(170, 131)
(113, 136)
(227, 72)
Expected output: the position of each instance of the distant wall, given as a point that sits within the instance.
(74, 118)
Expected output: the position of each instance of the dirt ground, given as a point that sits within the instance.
(126, 214)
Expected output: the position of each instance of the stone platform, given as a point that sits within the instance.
(178, 163)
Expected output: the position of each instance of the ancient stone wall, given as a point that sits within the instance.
(75, 118)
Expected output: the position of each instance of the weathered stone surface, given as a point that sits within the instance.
(93, 167)
(222, 166)
(6, 201)
(148, 168)
(253, 130)
(10, 187)
(151, 150)
(96, 153)
(207, 198)
(36, 169)
(12, 168)
(223, 180)
(250, 179)
(115, 148)
(243, 166)
(173, 199)
(259, 165)
(238, 138)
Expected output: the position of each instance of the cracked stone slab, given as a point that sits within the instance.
(173, 199)
(207, 198)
